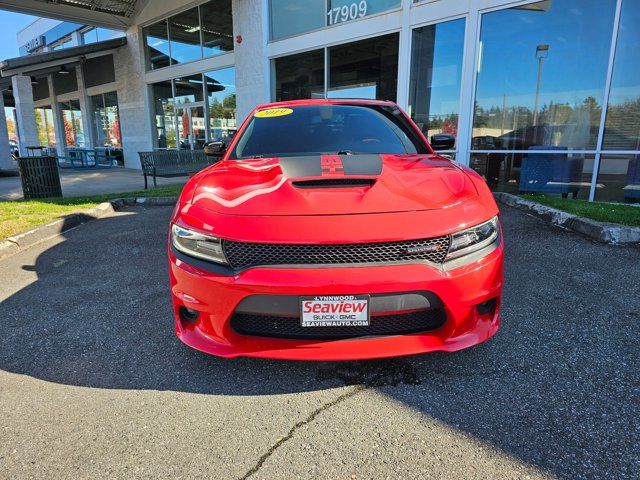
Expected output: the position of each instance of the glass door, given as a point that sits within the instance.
(191, 126)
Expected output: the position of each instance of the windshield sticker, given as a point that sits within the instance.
(273, 112)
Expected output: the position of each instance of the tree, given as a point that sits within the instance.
(69, 134)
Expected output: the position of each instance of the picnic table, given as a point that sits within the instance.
(103, 157)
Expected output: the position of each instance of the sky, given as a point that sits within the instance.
(578, 33)
(10, 23)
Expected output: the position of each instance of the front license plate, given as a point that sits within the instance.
(335, 311)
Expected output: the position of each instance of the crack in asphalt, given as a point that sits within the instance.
(302, 423)
(362, 376)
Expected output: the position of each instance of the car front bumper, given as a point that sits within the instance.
(216, 296)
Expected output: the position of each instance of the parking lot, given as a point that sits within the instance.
(94, 384)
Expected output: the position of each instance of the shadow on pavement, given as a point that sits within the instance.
(557, 387)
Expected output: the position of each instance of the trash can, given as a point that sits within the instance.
(40, 177)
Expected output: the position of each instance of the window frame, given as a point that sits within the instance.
(203, 103)
(325, 21)
(325, 49)
(597, 152)
(165, 18)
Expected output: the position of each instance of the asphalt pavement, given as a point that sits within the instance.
(94, 384)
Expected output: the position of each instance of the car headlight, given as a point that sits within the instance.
(473, 239)
(197, 245)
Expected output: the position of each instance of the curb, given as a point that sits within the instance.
(12, 245)
(609, 233)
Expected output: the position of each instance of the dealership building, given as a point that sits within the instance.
(542, 97)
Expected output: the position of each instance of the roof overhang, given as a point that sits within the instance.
(42, 61)
(115, 14)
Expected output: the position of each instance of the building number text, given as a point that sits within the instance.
(347, 12)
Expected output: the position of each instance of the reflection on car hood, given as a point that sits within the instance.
(332, 185)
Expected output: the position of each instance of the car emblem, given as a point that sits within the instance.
(331, 165)
(422, 249)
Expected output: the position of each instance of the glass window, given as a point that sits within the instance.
(364, 69)
(541, 74)
(165, 119)
(202, 31)
(619, 179)
(323, 129)
(44, 123)
(10, 116)
(100, 34)
(550, 172)
(299, 76)
(436, 72)
(103, 34)
(106, 122)
(292, 17)
(66, 43)
(339, 11)
(184, 35)
(217, 27)
(221, 101)
(157, 42)
(189, 89)
(72, 121)
(191, 127)
(622, 127)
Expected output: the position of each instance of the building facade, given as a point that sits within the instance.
(542, 96)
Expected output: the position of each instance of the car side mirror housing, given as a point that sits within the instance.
(443, 141)
(218, 148)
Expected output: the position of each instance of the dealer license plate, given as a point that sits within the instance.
(335, 311)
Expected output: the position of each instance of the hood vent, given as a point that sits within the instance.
(334, 183)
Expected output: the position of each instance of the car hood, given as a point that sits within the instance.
(332, 185)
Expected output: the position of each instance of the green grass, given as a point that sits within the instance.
(601, 212)
(19, 215)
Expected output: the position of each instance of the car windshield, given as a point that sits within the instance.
(301, 130)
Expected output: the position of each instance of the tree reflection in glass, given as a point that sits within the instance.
(570, 39)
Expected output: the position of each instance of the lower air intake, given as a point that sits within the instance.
(290, 327)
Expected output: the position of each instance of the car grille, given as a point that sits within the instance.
(291, 328)
(245, 254)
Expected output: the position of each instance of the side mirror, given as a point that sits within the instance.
(443, 141)
(217, 148)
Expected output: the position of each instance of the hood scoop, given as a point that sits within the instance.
(334, 183)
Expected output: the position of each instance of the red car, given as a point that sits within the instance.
(330, 230)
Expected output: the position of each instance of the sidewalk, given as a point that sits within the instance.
(78, 183)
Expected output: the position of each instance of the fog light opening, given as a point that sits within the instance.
(188, 315)
(488, 307)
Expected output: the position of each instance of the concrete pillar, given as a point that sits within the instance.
(25, 112)
(86, 110)
(250, 20)
(58, 124)
(6, 162)
(134, 103)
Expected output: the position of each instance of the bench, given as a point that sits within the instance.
(173, 163)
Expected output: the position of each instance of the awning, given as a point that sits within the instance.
(38, 61)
